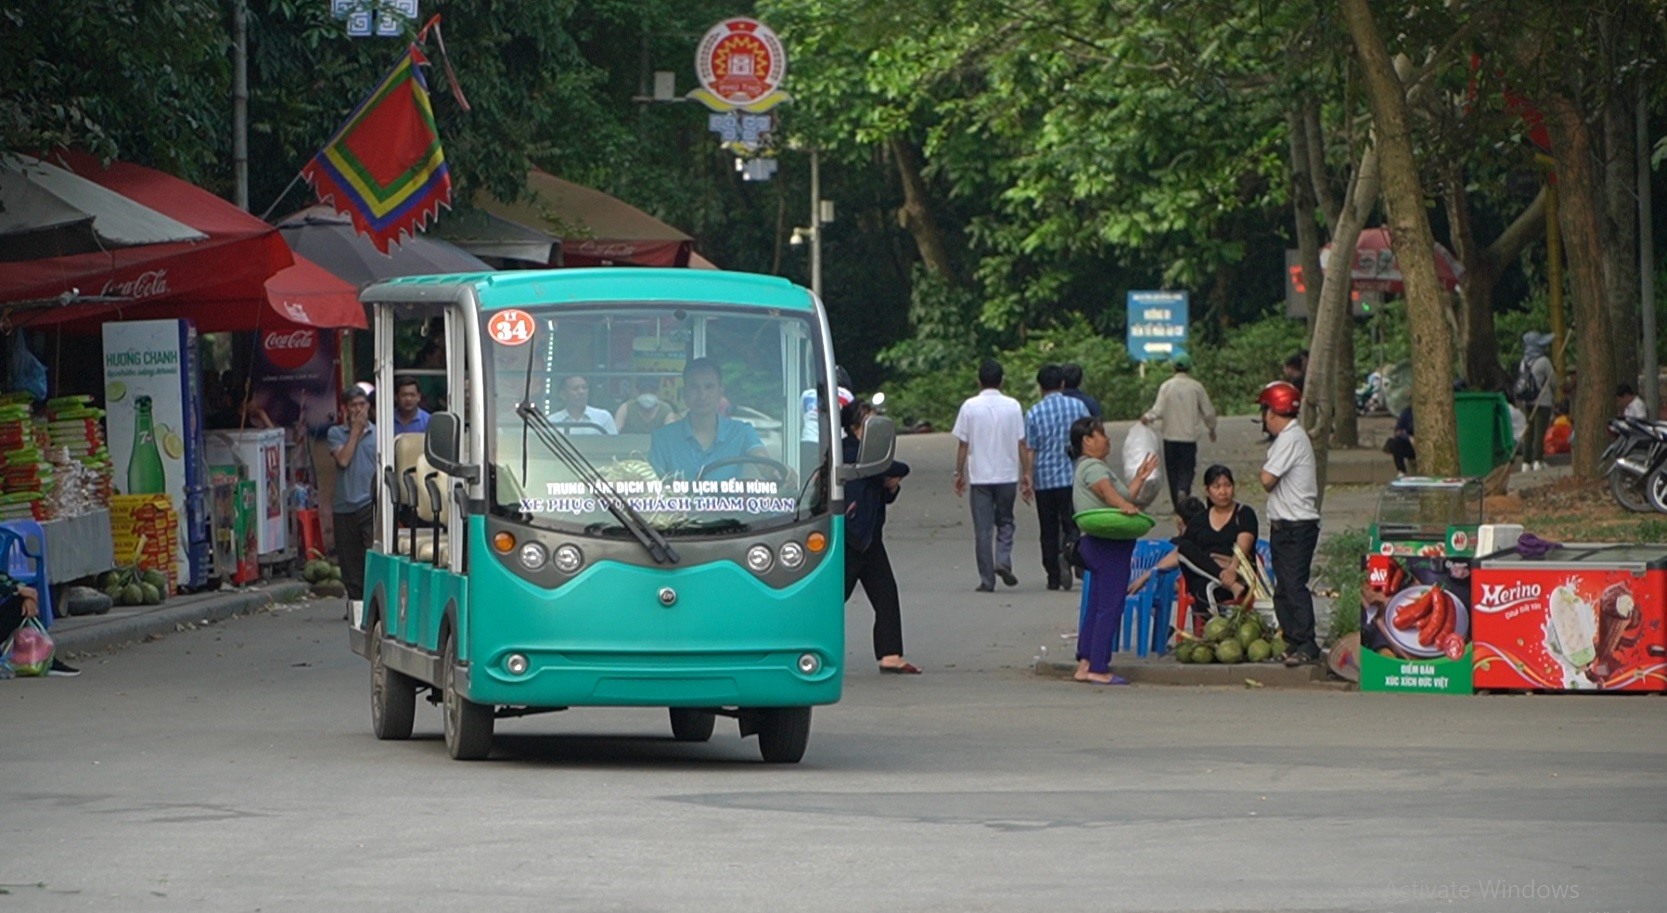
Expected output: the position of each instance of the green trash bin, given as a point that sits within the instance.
(1485, 440)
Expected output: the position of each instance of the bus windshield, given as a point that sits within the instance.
(706, 420)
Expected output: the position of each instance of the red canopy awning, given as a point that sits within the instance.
(190, 278)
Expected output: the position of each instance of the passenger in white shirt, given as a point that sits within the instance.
(992, 458)
(577, 416)
(1289, 478)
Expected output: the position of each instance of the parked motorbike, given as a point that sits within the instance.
(1636, 464)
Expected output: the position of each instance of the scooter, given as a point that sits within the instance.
(1636, 464)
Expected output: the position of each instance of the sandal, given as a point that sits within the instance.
(907, 668)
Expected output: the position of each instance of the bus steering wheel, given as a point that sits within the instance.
(782, 470)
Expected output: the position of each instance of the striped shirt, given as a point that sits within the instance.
(1048, 431)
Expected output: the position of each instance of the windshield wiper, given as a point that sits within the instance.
(533, 420)
(712, 526)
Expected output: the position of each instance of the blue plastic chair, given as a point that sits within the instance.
(23, 556)
(1138, 609)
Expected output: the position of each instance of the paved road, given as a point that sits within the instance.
(231, 768)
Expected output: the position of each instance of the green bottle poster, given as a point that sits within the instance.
(153, 426)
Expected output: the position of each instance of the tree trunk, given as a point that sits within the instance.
(1580, 217)
(1319, 406)
(1345, 423)
(1432, 344)
(1482, 268)
(1620, 241)
(917, 216)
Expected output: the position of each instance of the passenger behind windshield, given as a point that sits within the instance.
(645, 412)
(577, 416)
(702, 436)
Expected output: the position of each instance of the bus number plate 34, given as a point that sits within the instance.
(511, 327)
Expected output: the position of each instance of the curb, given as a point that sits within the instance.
(107, 632)
(1169, 672)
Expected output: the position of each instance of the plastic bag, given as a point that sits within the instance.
(26, 371)
(29, 650)
(1519, 423)
(1141, 442)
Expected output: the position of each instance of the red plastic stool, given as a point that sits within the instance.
(309, 533)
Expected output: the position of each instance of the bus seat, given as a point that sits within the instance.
(408, 449)
(426, 511)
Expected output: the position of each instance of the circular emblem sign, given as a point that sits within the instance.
(511, 327)
(740, 63)
(289, 349)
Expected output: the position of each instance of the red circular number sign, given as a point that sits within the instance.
(511, 327)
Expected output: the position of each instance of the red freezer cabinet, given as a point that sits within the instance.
(1583, 618)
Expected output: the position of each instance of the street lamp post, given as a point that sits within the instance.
(816, 223)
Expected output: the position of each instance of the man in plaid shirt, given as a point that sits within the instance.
(1048, 434)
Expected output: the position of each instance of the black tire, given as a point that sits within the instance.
(689, 724)
(1655, 489)
(783, 733)
(1629, 490)
(393, 695)
(468, 724)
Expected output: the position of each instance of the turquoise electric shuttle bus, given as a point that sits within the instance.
(631, 498)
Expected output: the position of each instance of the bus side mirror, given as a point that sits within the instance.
(443, 444)
(875, 453)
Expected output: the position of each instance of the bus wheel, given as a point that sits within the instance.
(468, 724)
(783, 733)
(393, 695)
(691, 725)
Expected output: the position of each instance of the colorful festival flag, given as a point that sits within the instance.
(384, 168)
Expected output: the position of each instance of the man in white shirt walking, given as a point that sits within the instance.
(1183, 407)
(1293, 518)
(992, 458)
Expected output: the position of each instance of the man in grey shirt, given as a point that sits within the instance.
(353, 445)
(1184, 409)
(1290, 480)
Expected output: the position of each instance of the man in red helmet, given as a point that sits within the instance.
(1293, 520)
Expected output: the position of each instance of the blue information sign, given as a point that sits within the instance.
(1157, 325)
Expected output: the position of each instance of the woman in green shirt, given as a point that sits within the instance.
(1096, 486)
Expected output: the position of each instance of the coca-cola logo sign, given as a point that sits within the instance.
(289, 349)
(148, 284)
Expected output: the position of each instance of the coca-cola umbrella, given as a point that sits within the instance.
(226, 250)
(1375, 268)
(328, 239)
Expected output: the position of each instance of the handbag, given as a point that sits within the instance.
(1072, 550)
(29, 650)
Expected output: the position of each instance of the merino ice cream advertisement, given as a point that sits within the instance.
(1563, 630)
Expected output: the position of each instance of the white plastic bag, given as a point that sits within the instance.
(1141, 442)
(1519, 423)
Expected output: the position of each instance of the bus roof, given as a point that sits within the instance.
(524, 288)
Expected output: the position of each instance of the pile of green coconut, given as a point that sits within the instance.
(1235, 637)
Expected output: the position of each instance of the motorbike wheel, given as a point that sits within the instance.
(1630, 490)
(1655, 488)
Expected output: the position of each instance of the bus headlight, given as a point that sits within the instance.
(760, 559)
(792, 555)
(533, 556)
(569, 559)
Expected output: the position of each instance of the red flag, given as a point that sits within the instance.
(384, 168)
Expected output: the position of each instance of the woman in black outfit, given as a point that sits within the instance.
(866, 560)
(1204, 548)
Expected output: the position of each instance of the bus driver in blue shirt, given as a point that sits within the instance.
(702, 436)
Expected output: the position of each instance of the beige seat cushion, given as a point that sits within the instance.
(425, 545)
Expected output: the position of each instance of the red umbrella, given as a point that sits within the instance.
(238, 255)
(1375, 268)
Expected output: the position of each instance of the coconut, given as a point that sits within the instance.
(1217, 629)
(1204, 653)
(133, 594)
(152, 595)
(1258, 651)
(1249, 630)
(1229, 651)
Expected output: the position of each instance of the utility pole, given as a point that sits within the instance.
(1646, 263)
(240, 102)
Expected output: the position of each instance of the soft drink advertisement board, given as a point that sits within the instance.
(155, 426)
(1415, 620)
(1566, 628)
